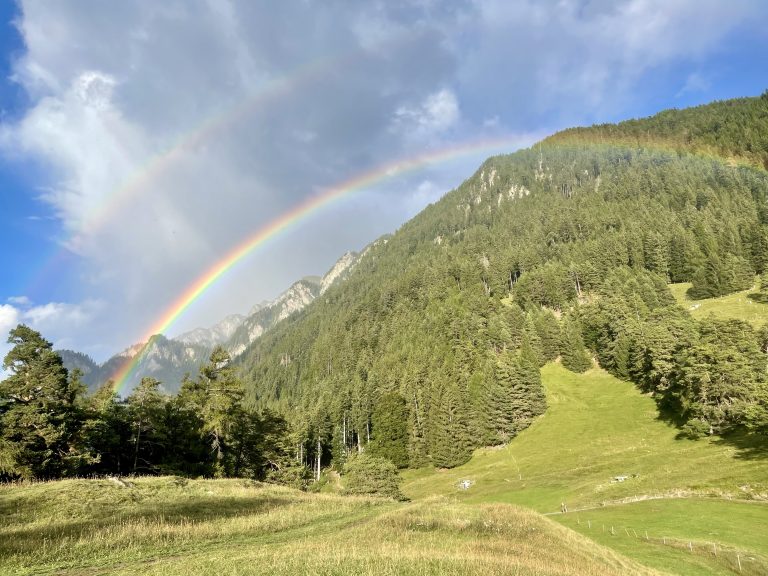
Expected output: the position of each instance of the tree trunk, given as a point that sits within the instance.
(319, 454)
(344, 432)
(136, 452)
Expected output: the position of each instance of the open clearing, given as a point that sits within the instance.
(737, 305)
(597, 428)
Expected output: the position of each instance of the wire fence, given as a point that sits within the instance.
(733, 559)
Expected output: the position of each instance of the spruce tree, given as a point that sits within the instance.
(451, 444)
(146, 409)
(216, 396)
(531, 342)
(500, 408)
(107, 431)
(390, 432)
(528, 399)
(574, 354)
(548, 329)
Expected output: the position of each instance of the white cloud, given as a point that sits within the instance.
(571, 61)
(56, 321)
(20, 300)
(437, 113)
(59, 315)
(9, 318)
(694, 82)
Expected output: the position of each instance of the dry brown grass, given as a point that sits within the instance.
(172, 527)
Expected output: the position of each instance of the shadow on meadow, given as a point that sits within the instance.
(759, 297)
(748, 446)
(89, 512)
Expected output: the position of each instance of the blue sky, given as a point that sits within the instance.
(103, 228)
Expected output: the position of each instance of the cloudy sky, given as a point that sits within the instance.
(140, 141)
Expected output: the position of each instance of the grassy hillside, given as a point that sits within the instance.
(598, 427)
(738, 306)
(172, 526)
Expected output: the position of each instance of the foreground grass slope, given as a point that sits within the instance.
(597, 428)
(173, 526)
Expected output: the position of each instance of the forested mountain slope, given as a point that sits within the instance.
(733, 129)
(433, 345)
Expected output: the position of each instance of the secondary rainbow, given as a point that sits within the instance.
(226, 117)
(292, 217)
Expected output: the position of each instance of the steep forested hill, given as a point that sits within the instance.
(433, 345)
(732, 129)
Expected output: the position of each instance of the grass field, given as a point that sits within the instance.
(596, 428)
(737, 305)
(174, 527)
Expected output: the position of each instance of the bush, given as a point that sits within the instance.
(368, 475)
(694, 429)
(293, 475)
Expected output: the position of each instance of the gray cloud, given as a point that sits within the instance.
(196, 123)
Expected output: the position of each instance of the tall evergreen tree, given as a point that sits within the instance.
(528, 398)
(107, 431)
(41, 414)
(548, 329)
(451, 435)
(146, 409)
(216, 395)
(390, 432)
(573, 353)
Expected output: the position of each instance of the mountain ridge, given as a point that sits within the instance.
(170, 359)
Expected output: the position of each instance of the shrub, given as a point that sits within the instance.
(694, 429)
(371, 476)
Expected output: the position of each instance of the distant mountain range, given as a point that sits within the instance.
(170, 359)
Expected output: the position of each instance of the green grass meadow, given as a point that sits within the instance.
(597, 428)
(737, 305)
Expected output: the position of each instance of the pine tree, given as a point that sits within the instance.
(548, 329)
(146, 408)
(723, 376)
(451, 440)
(620, 355)
(107, 431)
(531, 342)
(528, 398)
(41, 417)
(216, 396)
(390, 432)
(574, 354)
(762, 294)
(500, 407)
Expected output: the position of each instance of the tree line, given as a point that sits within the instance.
(50, 428)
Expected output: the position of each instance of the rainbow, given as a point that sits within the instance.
(293, 217)
(270, 90)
